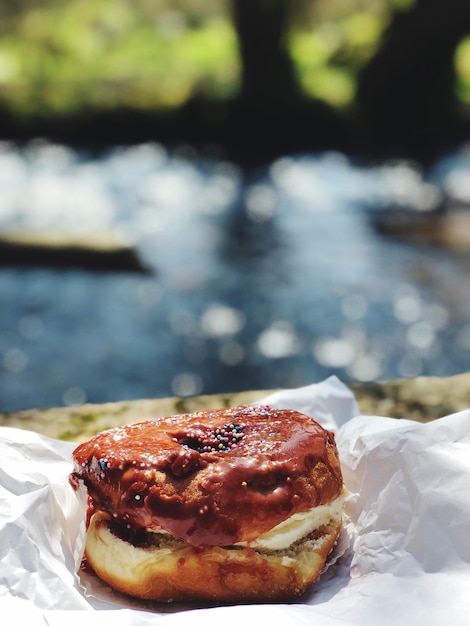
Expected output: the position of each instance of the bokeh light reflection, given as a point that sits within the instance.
(266, 280)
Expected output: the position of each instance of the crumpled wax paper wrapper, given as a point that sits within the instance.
(403, 557)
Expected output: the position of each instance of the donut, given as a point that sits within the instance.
(232, 505)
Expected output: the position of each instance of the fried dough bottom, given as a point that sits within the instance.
(165, 569)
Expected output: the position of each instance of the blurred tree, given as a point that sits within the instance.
(267, 69)
(104, 68)
(280, 116)
(406, 98)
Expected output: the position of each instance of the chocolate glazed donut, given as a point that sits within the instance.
(209, 480)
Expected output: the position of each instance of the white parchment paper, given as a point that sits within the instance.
(403, 558)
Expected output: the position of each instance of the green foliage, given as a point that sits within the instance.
(462, 65)
(60, 57)
(332, 43)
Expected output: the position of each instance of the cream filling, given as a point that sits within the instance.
(297, 526)
(294, 528)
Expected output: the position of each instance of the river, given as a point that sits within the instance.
(272, 278)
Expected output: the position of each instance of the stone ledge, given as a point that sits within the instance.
(57, 249)
(422, 399)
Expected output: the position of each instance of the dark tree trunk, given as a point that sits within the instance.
(406, 99)
(267, 70)
(271, 115)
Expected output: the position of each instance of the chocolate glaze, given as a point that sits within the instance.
(213, 477)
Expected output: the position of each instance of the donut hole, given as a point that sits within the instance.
(266, 484)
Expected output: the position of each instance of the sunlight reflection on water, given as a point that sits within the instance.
(268, 279)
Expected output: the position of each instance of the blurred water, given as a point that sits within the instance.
(272, 279)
